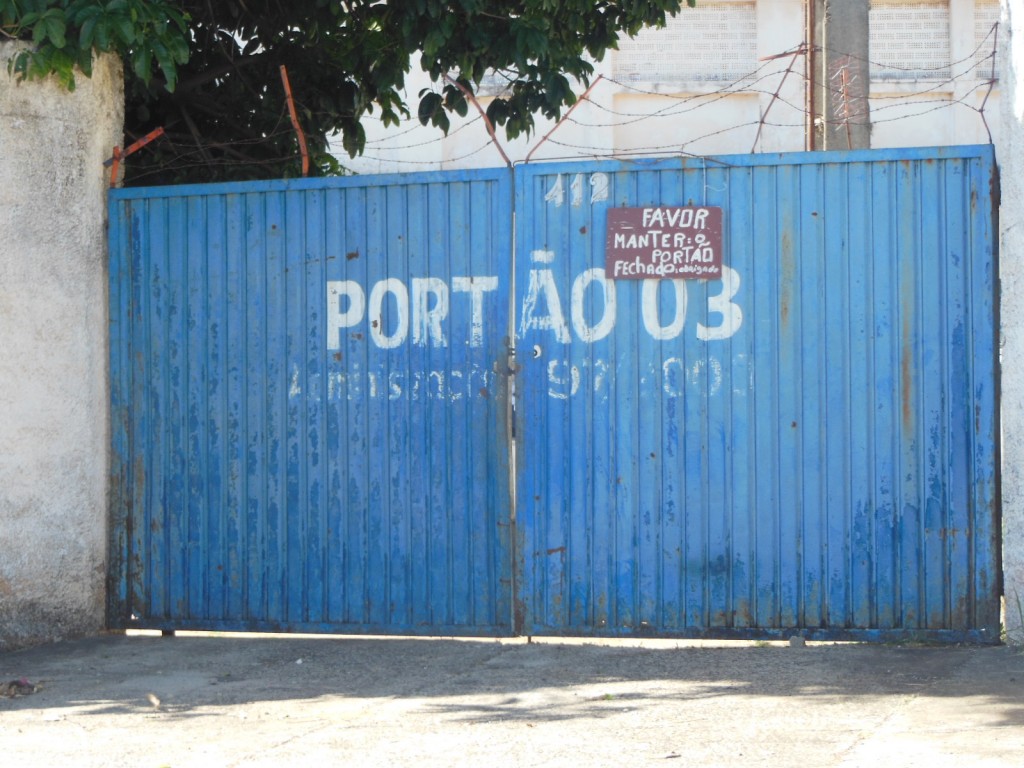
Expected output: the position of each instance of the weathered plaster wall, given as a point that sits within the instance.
(1010, 154)
(53, 352)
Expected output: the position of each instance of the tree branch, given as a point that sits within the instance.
(201, 78)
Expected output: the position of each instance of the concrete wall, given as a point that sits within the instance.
(53, 352)
(1010, 154)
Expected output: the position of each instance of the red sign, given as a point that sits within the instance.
(664, 242)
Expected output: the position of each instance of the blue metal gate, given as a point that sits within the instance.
(807, 443)
(308, 430)
(310, 393)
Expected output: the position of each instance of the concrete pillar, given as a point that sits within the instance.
(53, 366)
(841, 77)
(961, 49)
(1010, 155)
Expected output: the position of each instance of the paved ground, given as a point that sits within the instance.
(278, 701)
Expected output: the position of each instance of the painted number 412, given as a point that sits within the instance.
(598, 190)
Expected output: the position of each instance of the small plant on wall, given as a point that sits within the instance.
(150, 35)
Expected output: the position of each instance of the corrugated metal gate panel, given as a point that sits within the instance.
(308, 429)
(807, 443)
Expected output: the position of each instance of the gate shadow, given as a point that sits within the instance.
(478, 681)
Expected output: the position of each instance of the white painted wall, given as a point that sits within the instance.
(1010, 155)
(953, 107)
(53, 352)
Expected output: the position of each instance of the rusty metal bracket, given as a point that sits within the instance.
(114, 162)
(295, 120)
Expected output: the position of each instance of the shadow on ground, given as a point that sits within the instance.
(474, 680)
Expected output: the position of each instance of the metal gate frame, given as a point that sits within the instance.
(574, 571)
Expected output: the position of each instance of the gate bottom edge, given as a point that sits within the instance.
(313, 628)
(971, 636)
(982, 636)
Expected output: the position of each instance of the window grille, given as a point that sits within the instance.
(909, 41)
(986, 15)
(715, 42)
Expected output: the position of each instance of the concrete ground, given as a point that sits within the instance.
(224, 700)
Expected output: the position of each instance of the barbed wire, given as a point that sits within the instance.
(476, 151)
(654, 149)
(925, 90)
(389, 140)
(909, 104)
(180, 153)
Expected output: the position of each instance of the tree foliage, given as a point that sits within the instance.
(208, 71)
(65, 35)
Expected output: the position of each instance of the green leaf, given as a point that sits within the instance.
(166, 62)
(178, 48)
(125, 30)
(433, 42)
(84, 62)
(497, 111)
(55, 29)
(8, 12)
(18, 66)
(430, 105)
(142, 64)
(101, 40)
(86, 33)
(39, 31)
(441, 121)
(454, 99)
(64, 67)
(172, 15)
